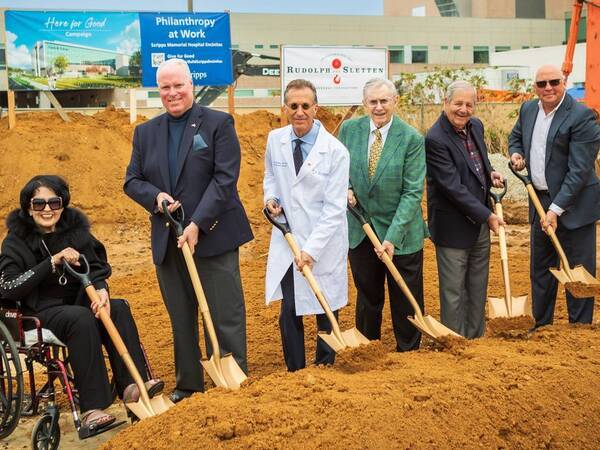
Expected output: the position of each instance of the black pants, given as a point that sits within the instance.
(84, 336)
(292, 329)
(222, 285)
(580, 247)
(369, 275)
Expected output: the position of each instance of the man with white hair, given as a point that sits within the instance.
(558, 140)
(459, 179)
(190, 157)
(387, 172)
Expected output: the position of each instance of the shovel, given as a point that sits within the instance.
(508, 306)
(145, 407)
(224, 371)
(338, 340)
(577, 280)
(426, 324)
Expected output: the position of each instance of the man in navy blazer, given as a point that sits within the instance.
(190, 156)
(459, 178)
(558, 140)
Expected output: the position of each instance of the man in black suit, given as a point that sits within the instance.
(558, 140)
(459, 177)
(190, 156)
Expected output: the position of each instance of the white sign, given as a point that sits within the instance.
(338, 73)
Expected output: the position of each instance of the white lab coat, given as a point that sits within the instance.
(314, 203)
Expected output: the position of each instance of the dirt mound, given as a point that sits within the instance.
(505, 390)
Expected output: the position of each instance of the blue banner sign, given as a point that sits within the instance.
(203, 40)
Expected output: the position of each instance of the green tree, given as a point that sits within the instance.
(60, 63)
(135, 63)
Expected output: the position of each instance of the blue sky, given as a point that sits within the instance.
(368, 7)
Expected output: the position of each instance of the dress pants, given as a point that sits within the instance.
(369, 275)
(222, 285)
(292, 329)
(463, 275)
(580, 247)
(84, 335)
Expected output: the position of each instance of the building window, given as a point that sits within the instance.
(525, 47)
(456, 47)
(258, 46)
(419, 54)
(153, 94)
(481, 55)
(444, 47)
(273, 46)
(235, 46)
(397, 56)
(502, 48)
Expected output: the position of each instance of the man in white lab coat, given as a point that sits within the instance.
(306, 175)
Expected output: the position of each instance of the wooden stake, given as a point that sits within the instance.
(12, 117)
(54, 101)
(231, 99)
(132, 106)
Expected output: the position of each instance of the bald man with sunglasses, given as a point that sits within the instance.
(557, 139)
(306, 177)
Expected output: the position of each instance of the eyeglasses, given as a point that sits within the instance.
(304, 106)
(39, 204)
(382, 101)
(542, 83)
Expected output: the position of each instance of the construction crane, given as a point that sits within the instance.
(592, 68)
(239, 60)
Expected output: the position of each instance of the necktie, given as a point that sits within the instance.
(375, 153)
(298, 160)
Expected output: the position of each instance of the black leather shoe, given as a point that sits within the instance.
(179, 394)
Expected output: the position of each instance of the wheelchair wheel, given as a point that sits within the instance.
(11, 383)
(43, 437)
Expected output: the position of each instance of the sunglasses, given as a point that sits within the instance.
(304, 106)
(39, 204)
(542, 84)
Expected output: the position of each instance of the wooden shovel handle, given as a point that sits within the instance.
(202, 303)
(540, 210)
(395, 273)
(315, 287)
(503, 257)
(115, 337)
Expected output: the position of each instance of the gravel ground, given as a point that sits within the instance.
(516, 189)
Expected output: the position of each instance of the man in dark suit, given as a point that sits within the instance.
(558, 140)
(459, 178)
(387, 173)
(190, 156)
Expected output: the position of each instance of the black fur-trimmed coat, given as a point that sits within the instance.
(25, 263)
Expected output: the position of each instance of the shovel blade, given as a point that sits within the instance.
(332, 340)
(350, 338)
(225, 373)
(432, 328)
(158, 405)
(354, 338)
(519, 306)
(581, 283)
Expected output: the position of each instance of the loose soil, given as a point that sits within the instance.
(510, 389)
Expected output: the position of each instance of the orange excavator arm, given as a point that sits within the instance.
(592, 68)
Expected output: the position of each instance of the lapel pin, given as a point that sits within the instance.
(193, 125)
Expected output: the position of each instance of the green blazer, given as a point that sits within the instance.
(392, 200)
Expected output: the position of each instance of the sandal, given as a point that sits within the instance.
(95, 419)
(131, 394)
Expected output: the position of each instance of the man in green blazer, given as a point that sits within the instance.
(387, 173)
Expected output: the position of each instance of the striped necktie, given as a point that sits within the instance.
(375, 153)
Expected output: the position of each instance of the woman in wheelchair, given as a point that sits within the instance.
(42, 233)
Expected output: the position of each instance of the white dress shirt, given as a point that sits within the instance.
(537, 157)
(383, 130)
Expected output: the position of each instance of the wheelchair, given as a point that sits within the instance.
(23, 340)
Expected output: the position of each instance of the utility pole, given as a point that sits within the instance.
(191, 6)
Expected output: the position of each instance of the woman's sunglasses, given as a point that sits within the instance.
(542, 84)
(39, 204)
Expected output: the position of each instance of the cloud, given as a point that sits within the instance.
(17, 56)
(128, 40)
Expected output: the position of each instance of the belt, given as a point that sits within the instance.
(542, 192)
